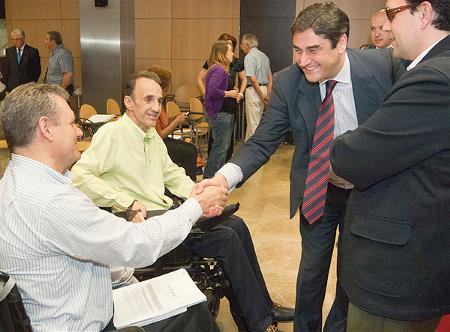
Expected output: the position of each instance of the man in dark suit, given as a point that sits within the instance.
(23, 63)
(396, 245)
(319, 36)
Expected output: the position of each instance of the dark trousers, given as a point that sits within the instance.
(231, 244)
(317, 249)
(183, 154)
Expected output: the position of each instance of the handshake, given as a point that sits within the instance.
(211, 194)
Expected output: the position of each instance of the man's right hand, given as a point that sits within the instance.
(211, 198)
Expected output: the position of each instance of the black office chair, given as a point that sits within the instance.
(13, 316)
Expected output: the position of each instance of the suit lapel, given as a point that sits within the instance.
(308, 102)
(362, 84)
(443, 45)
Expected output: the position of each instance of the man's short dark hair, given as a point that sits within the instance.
(441, 8)
(325, 19)
(21, 110)
(56, 36)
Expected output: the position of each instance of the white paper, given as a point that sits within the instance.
(156, 299)
(100, 118)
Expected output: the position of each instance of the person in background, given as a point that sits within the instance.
(60, 69)
(379, 35)
(182, 153)
(396, 242)
(257, 68)
(23, 63)
(56, 243)
(230, 104)
(219, 87)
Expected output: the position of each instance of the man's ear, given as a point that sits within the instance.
(45, 128)
(128, 102)
(342, 43)
(425, 10)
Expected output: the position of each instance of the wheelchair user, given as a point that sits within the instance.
(55, 242)
(127, 167)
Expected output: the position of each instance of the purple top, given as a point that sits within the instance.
(215, 86)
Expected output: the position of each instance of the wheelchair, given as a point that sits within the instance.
(206, 272)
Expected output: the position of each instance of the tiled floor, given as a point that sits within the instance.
(265, 208)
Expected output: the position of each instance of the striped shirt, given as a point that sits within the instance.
(57, 245)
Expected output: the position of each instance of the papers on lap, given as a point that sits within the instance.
(156, 299)
(100, 118)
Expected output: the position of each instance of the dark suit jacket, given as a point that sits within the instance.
(396, 244)
(28, 70)
(294, 103)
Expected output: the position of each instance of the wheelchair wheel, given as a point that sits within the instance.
(213, 302)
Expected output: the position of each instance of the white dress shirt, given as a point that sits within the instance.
(57, 245)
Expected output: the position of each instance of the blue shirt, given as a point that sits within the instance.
(59, 62)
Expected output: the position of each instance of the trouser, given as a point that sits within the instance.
(317, 249)
(360, 320)
(254, 108)
(221, 130)
(183, 154)
(231, 244)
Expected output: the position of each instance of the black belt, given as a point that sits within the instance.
(260, 84)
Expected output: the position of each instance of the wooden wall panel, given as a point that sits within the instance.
(192, 38)
(35, 9)
(202, 9)
(185, 72)
(359, 33)
(70, 32)
(152, 8)
(153, 38)
(70, 9)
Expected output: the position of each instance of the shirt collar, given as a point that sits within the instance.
(20, 160)
(21, 48)
(422, 55)
(344, 75)
(136, 131)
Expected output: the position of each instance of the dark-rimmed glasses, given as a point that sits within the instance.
(391, 12)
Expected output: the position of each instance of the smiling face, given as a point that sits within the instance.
(316, 56)
(17, 39)
(144, 106)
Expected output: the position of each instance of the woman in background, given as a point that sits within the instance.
(230, 104)
(219, 86)
(182, 153)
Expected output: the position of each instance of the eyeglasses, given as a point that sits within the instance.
(391, 12)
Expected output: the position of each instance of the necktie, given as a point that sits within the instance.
(19, 51)
(319, 159)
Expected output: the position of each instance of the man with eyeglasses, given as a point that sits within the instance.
(396, 245)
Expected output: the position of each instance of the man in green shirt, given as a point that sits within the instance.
(127, 167)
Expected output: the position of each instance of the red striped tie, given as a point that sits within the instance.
(319, 159)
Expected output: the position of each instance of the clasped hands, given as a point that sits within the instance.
(212, 195)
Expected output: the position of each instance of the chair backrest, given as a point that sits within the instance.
(172, 109)
(197, 110)
(13, 316)
(86, 111)
(184, 93)
(112, 107)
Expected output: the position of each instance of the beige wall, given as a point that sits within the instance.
(171, 33)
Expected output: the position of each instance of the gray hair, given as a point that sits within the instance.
(250, 40)
(56, 36)
(24, 106)
(18, 32)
